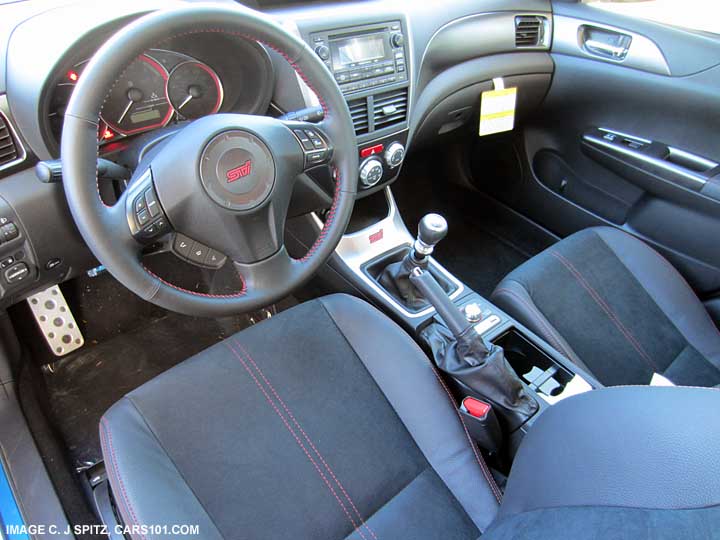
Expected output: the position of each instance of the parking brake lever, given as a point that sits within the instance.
(461, 352)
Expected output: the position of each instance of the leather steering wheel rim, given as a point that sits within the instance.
(105, 228)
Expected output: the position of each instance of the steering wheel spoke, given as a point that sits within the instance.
(144, 213)
(265, 275)
(315, 143)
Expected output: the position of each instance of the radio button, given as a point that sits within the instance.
(397, 40)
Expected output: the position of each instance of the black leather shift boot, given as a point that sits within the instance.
(395, 279)
(483, 368)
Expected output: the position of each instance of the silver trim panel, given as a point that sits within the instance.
(642, 54)
(22, 154)
(356, 250)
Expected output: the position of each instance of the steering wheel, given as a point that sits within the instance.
(224, 180)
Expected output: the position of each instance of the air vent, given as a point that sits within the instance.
(10, 150)
(529, 31)
(390, 108)
(359, 114)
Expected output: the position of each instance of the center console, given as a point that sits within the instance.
(377, 240)
(370, 61)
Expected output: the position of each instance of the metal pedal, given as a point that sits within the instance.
(56, 321)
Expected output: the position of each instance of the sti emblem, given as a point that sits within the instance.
(239, 172)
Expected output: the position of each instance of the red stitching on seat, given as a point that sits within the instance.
(483, 466)
(297, 439)
(607, 309)
(242, 291)
(106, 441)
(305, 435)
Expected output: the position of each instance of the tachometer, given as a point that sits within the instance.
(194, 90)
(138, 101)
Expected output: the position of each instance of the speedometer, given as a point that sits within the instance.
(138, 101)
(194, 90)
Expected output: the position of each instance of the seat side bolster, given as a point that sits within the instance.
(407, 379)
(668, 289)
(158, 495)
(512, 297)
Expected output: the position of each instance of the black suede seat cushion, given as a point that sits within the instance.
(282, 432)
(616, 307)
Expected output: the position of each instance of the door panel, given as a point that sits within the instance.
(629, 136)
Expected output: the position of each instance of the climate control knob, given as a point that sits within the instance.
(394, 154)
(371, 172)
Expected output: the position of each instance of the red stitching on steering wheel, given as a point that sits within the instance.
(326, 111)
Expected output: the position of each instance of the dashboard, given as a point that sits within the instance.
(411, 73)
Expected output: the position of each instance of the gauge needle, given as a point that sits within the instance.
(127, 108)
(185, 101)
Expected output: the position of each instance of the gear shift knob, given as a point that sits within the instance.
(431, 229)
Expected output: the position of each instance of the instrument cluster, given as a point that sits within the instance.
(176, 83)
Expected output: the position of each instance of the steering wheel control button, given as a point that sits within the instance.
(139, 204)
(153, 206)
(304, 139)
(198, 253)
(182, 245)
(9, 232)
(237, 170)
(317, 150)
(143, 217)
(215, 259)
(17, 273)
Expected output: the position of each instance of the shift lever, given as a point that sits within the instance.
(395, 278)
(431, 229)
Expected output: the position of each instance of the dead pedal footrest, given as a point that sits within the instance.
(56, 321)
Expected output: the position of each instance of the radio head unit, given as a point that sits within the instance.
(363, 57)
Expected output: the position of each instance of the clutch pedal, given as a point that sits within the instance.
(56, 321)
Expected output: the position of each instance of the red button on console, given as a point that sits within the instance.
(371, 150)
(475, 407)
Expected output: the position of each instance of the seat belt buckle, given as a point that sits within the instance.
(482, 423)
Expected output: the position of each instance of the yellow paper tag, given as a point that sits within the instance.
(497, 110)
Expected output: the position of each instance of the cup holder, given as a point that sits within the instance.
(532, 365)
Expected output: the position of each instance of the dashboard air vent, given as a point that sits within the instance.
(529, 31)
(10, 151)
(390, 108)
(359, 114)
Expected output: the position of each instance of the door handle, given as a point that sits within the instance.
(605, 43)
(606, 49)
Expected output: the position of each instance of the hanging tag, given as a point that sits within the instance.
(497, 108)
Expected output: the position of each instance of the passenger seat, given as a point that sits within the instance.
(616, 307)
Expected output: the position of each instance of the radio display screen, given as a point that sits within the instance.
(356, 50)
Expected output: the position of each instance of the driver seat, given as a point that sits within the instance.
(328, 421)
